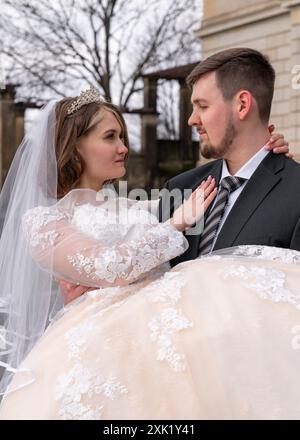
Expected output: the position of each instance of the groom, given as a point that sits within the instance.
(257, 202)
(232, 95)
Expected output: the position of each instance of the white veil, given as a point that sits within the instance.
(27, 293)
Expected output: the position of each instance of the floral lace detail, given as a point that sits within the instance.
(34, 220)
(289, 256)
(75, 388)
(71, 389)
(166, 290)
(162, 327)
(76, 338)
(113, 223)
(129, 261)
(96, 222)
(82, 263)
(268, 283)
(136, 244)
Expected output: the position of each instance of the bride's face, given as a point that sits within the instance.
(103, 152)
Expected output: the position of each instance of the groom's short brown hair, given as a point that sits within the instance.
(237, 69)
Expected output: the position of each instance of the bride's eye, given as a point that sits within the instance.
(113, 135)
(110, 136)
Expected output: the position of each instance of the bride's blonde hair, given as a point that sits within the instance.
(70, 165)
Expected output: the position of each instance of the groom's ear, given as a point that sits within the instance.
(244, 103)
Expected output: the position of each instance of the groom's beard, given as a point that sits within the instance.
(209, 151)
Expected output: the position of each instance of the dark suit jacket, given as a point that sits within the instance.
(267, 212)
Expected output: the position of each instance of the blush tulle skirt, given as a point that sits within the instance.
(214, 338)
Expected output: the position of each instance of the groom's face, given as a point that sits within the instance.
(212, 117)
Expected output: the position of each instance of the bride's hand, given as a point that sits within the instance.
(195, 206)
(277, 143)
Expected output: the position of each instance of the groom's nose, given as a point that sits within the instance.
(194, 119)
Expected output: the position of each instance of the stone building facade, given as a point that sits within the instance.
(272, 27)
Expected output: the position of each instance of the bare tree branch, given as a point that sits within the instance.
(56, 47)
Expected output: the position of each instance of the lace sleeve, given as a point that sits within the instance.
(59, 247)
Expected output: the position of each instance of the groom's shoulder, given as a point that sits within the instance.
(292, 165)
(189, 178)
(286, 168)
(292, 171)
(279, 163)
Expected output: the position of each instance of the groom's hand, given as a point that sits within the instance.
(277, 143)
(70, 291)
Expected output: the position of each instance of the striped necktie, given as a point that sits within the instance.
(227, 185)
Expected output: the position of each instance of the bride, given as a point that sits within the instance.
(214, 338)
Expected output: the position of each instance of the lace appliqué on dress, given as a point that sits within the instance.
(167, 291)
(131, 260)
(268, 283)
(289, 256)
(33, 222)
(76, 338)
(80, 382)
(162, 327)
(75, 388)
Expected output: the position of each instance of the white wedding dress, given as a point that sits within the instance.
(214, 338)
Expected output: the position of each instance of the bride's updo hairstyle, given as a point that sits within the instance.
(69, 128)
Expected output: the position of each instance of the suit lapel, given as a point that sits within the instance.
(258, 187)
(215, 172)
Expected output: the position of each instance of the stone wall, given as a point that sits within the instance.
(273, 27)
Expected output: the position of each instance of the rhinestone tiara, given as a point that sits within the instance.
(85, 97)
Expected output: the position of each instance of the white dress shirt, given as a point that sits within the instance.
(245, 172)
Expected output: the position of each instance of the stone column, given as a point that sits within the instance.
(185, 132)
(11, 128)
(7, 129)
(149, 130)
